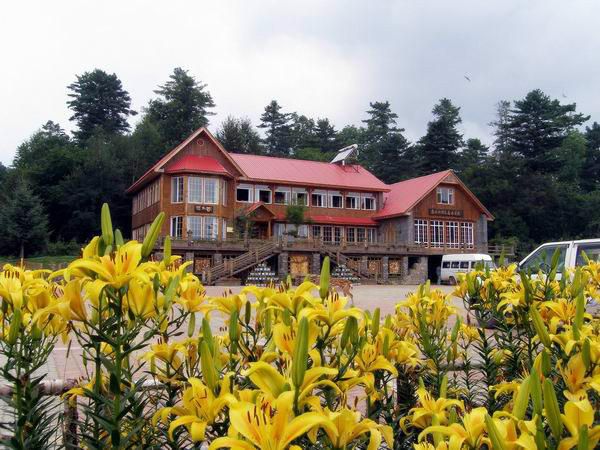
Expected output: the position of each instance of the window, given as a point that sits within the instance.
(243, 193)
(316, 232)
(177, 226)
(318, 199)
(224, 230)
(327, 234)
(300, 196)
(351, 234)
(211, 190)
(421, 235)
(303, 231)
(466, 234)
(146, 197)
(177, 190)
(372, 235)
(337, 234)
(282, 196)
(360, 235)
(194, 189)
(335, 199)
(542, 259)
(209, 228)
(263, 194)
(194, 226)
(452, 233)
(464, 264)
(353, 200)
(368, 201)
(446, 265)
(224, 192)
(437, 233)
(454, 265)
(445, 196)
(592, 251)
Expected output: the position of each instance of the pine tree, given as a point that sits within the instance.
(325, 135)
(23, 224)
(182, 107)
(238, 135)
(473, 154)
(383, 147)
(500, 125)
(278, 130)
(99, 101)
(439, 147)
(303, 132)
(590, 177)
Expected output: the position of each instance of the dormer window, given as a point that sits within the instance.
(445, 196)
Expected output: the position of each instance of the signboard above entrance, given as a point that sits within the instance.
(446, 212)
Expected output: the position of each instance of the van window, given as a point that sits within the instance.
(454, 265)
(592, 250)
(464, 264)
(446, 264)
(542, 259)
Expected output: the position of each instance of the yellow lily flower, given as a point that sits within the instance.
(348, 427)
(11, 287)
(193, 298)
(284, 336)
(421, 416)
(332, 311)
(266, 429)
(140, 299)
(574, 375)
(296, 300)
(578, 413)
(471, 432)
(369, 360)
(200, 408)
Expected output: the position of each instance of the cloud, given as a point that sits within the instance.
(322, 59)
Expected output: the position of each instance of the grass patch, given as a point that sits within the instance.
(40, 260)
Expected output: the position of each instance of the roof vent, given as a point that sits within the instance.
(345, 154)
(200, 142)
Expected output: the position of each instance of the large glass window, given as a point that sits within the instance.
(445, 196)
(177, 190)
(224, 192)
(282, 196)
(210, 227)
(466, 234)
(194, 225)
(211, 190)
(263, 194)
(336, 200)
(194, 189)
(299, 196)
(316, 231)
(361, 235)
(243, 193)
(353, 200)
(319, 199)
(224, 230)
(177, 227)
(452, 233)
(437, 233)
(303, 231)
(372, 235)
(351, 234)
(327, 234)
(421, 234)
(592, 251)
(368, 201)
(542, 259)
(337, 234)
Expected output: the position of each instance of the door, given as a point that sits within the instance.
(260, 230)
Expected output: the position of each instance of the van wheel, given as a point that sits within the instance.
(452, 281)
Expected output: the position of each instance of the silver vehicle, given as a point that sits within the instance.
(570, 255)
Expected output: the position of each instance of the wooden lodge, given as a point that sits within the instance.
(227, 212)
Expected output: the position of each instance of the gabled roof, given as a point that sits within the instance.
(307, 173)
(404, 195)
(259, 206)
(197, 164)
(157, 168)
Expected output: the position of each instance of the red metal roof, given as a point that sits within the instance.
(314, 173)
(343, 220)
(199, 164)
(406, 194)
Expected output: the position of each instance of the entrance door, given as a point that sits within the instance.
(260, 230)
(434, 263)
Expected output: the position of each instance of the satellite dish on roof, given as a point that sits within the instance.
(344, 154)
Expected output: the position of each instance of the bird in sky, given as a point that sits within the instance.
(467, 78)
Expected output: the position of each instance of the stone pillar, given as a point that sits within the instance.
(217, 259)
(189, 256)
(410, 229)
(316, 263)
(364, 265)
(282, 264)
(385, 268)
(404, 269)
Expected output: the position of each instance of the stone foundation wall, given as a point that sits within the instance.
(417, 273)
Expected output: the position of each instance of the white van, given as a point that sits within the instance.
(570, 256)
(462, 263)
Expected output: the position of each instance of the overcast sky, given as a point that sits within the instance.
(320, 58)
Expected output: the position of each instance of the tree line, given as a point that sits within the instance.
(539, 177)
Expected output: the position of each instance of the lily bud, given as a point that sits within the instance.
(15, 327)
(583, 443)
(444, 387)
(209, 372)
(388, 321)
(375, 322)
(552, 411)
(493, 433)
(546, 364)
(234, 328)
(300, 358)
(192, 325)
(346, 333)
(540, 328)
(106, 224)
(536, 391)
(386, 346)
(579, 312)
(119, 242)
(522, 400)
(325, 276)
(455, 330)
(268, 322)
(248, 313)
(152, 235)
(586, 354)
(207, 336)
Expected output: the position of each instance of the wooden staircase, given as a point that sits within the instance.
(340, 258)
(240, 263)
